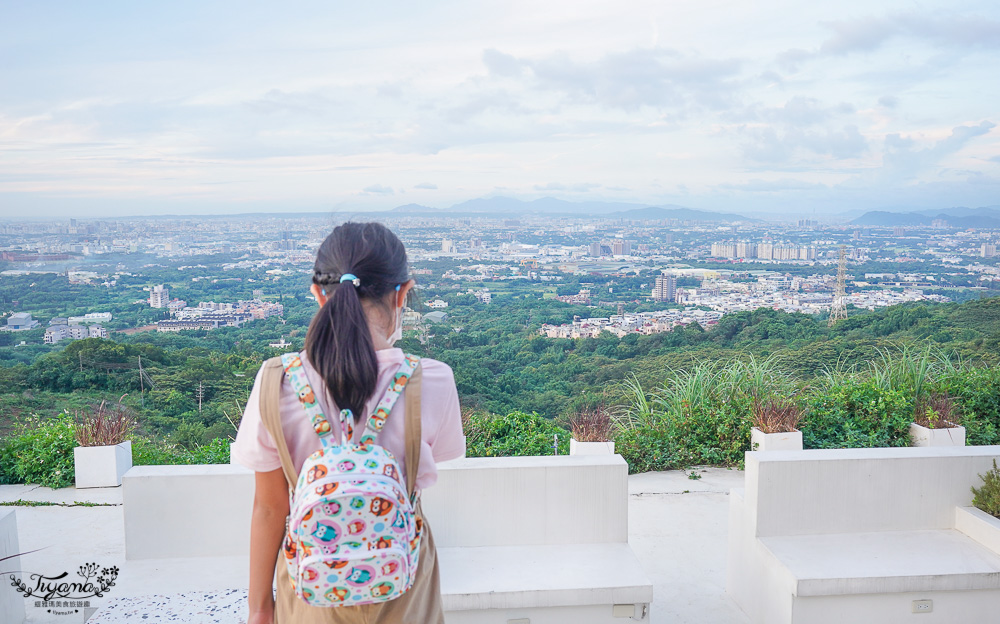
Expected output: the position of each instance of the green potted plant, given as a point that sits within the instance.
(591, 428)
(775, 425)
(936, 421)
(104, 453)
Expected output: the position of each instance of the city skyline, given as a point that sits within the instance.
(775, 109)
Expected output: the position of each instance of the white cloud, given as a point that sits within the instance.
(303, 109)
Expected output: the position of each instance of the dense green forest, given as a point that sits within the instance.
(500, 361)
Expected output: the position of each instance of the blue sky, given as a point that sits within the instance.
(114, 108)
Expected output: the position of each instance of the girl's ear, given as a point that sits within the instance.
(404, 289)
(317, 292)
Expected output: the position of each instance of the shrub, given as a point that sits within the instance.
(512, 435)
(977, 392)
(105, 426)
(215, 452)
(148, 452)
(592, 425)
(39, 452)
(717, 433)
(857, 414)
(776, 415)
(647, 450)
(937, 411)
(987, 497)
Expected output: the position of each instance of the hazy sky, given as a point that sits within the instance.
(137, 107)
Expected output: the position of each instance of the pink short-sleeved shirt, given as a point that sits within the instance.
(440, 420)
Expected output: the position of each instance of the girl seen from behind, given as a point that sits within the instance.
(357, 545)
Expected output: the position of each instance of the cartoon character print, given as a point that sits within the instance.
(316, 472)
(356, 527)
(307, 593)
(325, 532)
(337, 594)
(382, 589)
(399, 383)
(336, 564)
(295, 363)
(357, 503)
(307, 517)
(322, 426)
(390, 568)
(307, 396)
(309, 575)
(399, 523)
(289, 548)
(380, 506)
(371, 464)
(390, 471)
(383, 542)
(346, 466)
(331, 509)
(359, 575)
(415, 542)
(326, 489)
(307, 550)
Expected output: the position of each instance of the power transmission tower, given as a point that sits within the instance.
(838, 310)
(143, 379)
(200, 394)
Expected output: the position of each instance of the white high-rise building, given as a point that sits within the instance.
(988, 250)
(664, 288)
(159, 297)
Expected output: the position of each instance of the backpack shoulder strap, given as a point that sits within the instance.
(377, 420)
(270, 396)
(310, 403)
(413, 432)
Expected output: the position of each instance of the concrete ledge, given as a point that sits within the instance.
(511, 501)
(526, 577)
(887, 562)
(11, 602)
(187, 511)
(980, 526)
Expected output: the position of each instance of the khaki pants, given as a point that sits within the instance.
(420, 605)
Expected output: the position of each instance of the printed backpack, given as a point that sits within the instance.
(353, 535)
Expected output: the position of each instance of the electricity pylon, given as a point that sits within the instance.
(839, 308)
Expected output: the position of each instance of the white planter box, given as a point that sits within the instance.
(591, 448)
(101, 466)
(948, 436)
(786, 441)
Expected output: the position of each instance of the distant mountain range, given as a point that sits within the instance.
(985, 217)
(558, 207)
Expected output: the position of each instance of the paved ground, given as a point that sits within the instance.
(677, 528)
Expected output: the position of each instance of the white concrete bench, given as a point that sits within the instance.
(187, 511)
(11, 602)
(539, 538)
(544, 538)
(864, 535)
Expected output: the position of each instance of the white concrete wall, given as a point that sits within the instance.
(187, 511)
(859, 490)
(508, 501)
(11, 602)
(826, 497)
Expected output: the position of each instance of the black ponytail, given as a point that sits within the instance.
(339, 343)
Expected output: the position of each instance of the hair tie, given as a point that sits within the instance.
(350, 277)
